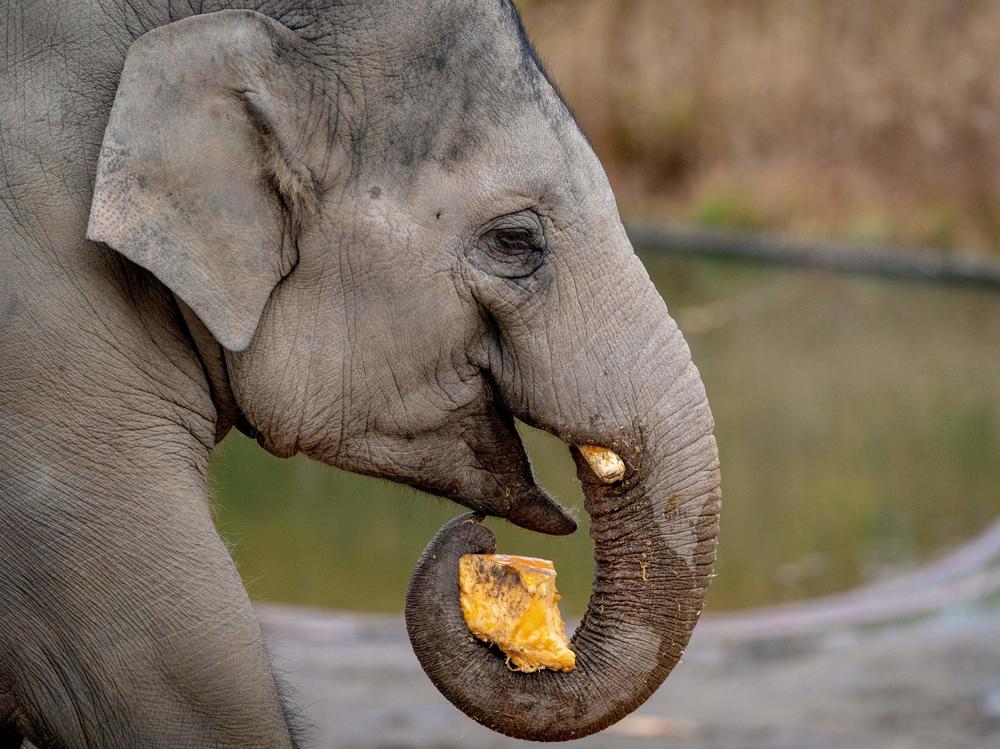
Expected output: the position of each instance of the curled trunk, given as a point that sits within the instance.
(654, 546)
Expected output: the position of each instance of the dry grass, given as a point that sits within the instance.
(871, 121)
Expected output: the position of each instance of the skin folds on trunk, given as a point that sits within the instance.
(654, 545)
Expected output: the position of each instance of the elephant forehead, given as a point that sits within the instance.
(525, 162)
(450, 80)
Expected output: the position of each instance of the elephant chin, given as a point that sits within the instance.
(654, 537)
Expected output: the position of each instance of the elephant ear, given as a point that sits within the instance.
(197, 179)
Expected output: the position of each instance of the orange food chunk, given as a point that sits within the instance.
(510, 601)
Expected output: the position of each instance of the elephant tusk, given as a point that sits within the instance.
(605, 464)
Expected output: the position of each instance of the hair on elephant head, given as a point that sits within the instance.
(399, 240)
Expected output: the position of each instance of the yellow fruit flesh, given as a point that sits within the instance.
(510, 601)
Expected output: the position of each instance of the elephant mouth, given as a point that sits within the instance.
(507, 487)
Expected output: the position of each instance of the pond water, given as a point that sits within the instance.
(858, 424)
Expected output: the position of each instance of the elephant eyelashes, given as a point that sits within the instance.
(512, 251)
(516, 240)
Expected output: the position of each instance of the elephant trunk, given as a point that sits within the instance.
(654, 538)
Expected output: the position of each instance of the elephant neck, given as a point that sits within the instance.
(213, 361)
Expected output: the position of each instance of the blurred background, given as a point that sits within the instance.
(872, 121)
(858, 420)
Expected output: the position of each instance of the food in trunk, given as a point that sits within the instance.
(605, 463)
(510, 601)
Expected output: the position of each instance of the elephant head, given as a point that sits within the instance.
(398, 240)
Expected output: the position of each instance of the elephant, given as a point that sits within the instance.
(368, 232)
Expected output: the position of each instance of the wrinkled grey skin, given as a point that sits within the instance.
(369, 232)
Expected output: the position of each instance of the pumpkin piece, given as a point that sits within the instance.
(606, 464)
(510, 601)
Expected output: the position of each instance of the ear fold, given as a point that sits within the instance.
(196, 179)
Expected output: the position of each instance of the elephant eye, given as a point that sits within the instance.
(513, 247)
(516, 241)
